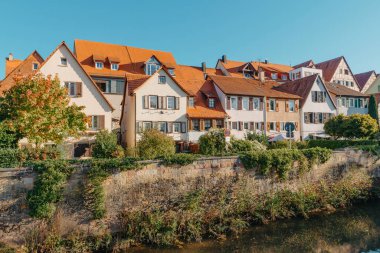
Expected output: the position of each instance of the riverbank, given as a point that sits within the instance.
(172, 205)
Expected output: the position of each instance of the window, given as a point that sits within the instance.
(147, 125)
(191, 101)
(272, 104)
(347, 83)
(176, 127)
(171, 103)
(350, 102)
(291, 105)
(207, 124)
(343, 102)
(95, 122)
(234, 103)
(211, 102)
(284, 77)
(162, 79)
(99, 65)
(234, 125)
(272, 126)
(72, 89)
(282, 126)
(219, 123)
(152, 66)
(256, 104)
(274, 76)
(352, 84)
(318, 96)
(246, 126)
(346, 72)
(320, 118)
(63, 61)
(112, 86)
(35, 66)
(245, 103)
(171, 72)
(247, 75)
(196, 124)
(114, 66)
(153, 102)
(162, 127)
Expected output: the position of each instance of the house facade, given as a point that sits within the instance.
(81, 89)
(316, 106)
(365, 80)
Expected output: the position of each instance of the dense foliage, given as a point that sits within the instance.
(155, 144)
(372, 108)
(38, 108)
(238, 146)
(10, 158)
(179, 159)
(262, 138)
(336, 144)
(352, 126)
(106, 146)
(47, 191)
(213, 142)
(279, 162)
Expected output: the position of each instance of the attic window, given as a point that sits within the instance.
(114, 66)
(346, 72)
(274, 76)
(63, 61)
(171, 72)
(191, 101)
(152, 66)
(247, 75)
(35, 66)
(99, 65)
(211, 102)
(162, 79)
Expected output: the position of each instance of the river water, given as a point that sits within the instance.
(352, 230)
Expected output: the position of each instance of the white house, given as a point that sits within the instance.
(302, 72)
(157, 101)
(317, 104)
(81, 88)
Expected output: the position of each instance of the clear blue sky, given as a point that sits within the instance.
(281, 31)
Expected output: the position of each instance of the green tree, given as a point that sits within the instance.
(372, 108)
(154, 144)
(106, 146)
(335, 126)
(38, 108)
(213, 142)
(360, 126)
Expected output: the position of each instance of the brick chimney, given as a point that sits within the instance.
(224, 58)
(204, 69)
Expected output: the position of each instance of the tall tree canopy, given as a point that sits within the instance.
(38, 108)
(372, 108)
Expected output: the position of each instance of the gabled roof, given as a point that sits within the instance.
(131, 59)
(306, 64)
(329, 67)
(340, 90)
(248, 87)
(63, 44)
(21, 70)
(272, 67)
(363, 78)
(302, 87)
(234, 68)
(10, 65)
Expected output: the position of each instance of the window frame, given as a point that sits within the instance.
(150, 101)
(179, 127)
(234, 98)
(167, 102)
(113, 65)
(100, 66)
(274, 104)
(292, 109)
(161, 79)
(211, 102)
(63, 62)
(243, 106)
(191, 102)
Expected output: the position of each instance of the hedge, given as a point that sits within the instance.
(10, 158)
(336, 144)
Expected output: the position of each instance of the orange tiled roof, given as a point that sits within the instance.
(134, 81)
(10, 65)
(273, 67)
(131, 59)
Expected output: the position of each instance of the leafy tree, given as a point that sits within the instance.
(213, 142)
(106, 146)
(360, 126)
(372, 108)
(155, 144)
(335, 126)
(38, 108)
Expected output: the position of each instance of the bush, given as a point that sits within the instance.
(10, 158)
(47, 189)
(317, 155)
(155, 144)
(352, 126)
(238, 146)
(213, 142)
(179, 159)
(262, 138)
(106, 146)
(44, 153)
(336, 144)
(8, 139)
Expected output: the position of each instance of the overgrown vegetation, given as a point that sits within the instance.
(213, 142)
(238, 146)
(336, 144)
(106, 146)
(179, 159)
(47, 191)
(279, 162)
(155, 144)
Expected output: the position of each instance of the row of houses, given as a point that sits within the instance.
(131, 89)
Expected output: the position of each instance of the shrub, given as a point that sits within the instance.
(8, 139)
(44, 153)
(280, 144)
(238, 146)
(106, 146)
(317, 155)
(262, 138)
(154, 144)
(179, 159)
(47, 189)
(213, 142)
(352, 126)
(10, 158)
(336, 144)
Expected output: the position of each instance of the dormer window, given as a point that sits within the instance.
(191, 101)
(114, 66)
(247, 75)
(63, 61)
(171, 72)
(35, 66)
(211, 102)
(99, 65)
(274, 76)
(152, 66)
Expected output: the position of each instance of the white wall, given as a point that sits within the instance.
(303, 72)
(310, 106)
(91, 98)
(343, 77)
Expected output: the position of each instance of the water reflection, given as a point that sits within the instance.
(353, 230)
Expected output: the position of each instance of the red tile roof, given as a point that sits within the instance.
(363, 78)
(272, 67)
(329, 67)
(248, 87)
(306, 64)
(10, 65)
(340, 90)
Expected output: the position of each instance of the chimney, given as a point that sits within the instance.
(266, 61)
(261, 75)
(224, 58)
(204, 67)
(10, 57)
